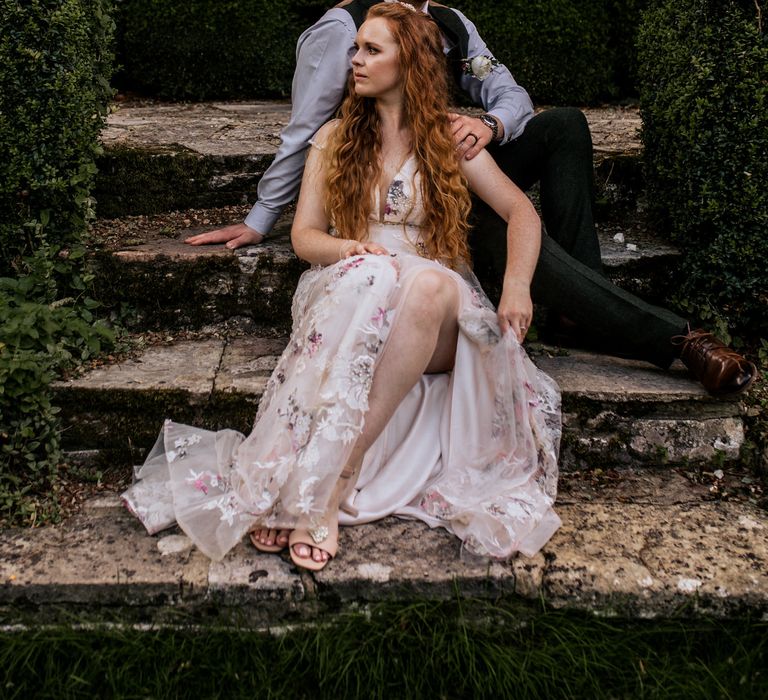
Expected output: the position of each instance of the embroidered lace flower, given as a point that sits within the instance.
(396, 197)
(480, 66)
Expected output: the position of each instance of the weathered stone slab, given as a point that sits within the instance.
(170, 284)
(619, 411)
(695, 440)
(247, 364)
(245, 368)
(615, 411)
(635, 553)
(247, 577)
(162, 157)
(125, 404)
(206, 128)
(652, 561)
(245, 128)
(99, 558)
(606, 378)
(398, 559)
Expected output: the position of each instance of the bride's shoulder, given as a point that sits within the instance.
(323, 135)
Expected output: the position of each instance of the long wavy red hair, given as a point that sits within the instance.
(355, 146)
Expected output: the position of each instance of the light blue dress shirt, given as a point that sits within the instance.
(323, 61)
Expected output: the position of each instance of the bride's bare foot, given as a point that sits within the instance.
(270, 540)
(313, 548)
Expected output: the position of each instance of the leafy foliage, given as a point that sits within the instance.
(559, 50)
(202, 49)
(54, 63)
(55, 59)
(704, 101)
(562, 51)
(624, 17)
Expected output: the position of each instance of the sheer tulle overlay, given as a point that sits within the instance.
(474, 450)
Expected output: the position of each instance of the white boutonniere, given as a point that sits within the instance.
(480, 66)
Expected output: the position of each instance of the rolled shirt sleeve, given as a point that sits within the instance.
(499, 94)
(322, 67)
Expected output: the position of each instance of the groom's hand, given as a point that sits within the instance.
(233, 236)
(470, 135)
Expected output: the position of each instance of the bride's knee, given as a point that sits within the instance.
(434, 288)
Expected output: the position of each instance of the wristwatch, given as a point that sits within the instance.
(492, 124)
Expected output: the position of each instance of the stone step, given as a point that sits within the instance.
(168, 284)
(162, 157)
(646, 546)
(616, 412)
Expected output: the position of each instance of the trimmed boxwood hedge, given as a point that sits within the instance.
(562, 51)
(704, 102)
(208, 49)
(55, 62)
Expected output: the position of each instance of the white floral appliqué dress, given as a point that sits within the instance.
(474, 450)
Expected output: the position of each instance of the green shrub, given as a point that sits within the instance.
(624, 18)
(562, 51)
(557, 49)
(55, 58)
(704, 101)
(54, 68)
(198, 49)
(37, 340)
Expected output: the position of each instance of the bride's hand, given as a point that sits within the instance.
(350, 248)
(515, 308)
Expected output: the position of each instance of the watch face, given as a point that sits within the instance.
(490, 122)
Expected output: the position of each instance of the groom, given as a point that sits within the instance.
(553, 148)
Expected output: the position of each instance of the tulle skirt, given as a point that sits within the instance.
(474, 450)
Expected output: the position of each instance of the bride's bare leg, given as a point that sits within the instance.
(423, 340)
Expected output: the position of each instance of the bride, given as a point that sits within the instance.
(401, 391)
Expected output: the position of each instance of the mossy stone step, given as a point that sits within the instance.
(169, 284)
(616, 412)
(162, 157)
(649, 547)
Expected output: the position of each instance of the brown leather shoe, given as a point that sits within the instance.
(721, 370)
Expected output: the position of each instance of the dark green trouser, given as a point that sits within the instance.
(556, 150)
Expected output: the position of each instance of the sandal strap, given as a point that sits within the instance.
(348, 473)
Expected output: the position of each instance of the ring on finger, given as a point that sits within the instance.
(473, 136)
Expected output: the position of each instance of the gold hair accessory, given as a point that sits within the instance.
(404, 4)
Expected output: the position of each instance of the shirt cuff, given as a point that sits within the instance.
(513, 127)
(261, 220)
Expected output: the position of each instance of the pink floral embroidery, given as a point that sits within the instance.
(351, 264)
(315, 340)
(379, 317)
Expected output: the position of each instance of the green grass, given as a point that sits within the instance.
(424, 650)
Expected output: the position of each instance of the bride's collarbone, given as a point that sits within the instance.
(390, 165)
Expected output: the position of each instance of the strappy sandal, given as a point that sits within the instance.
(323, 537)
(267, 548)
